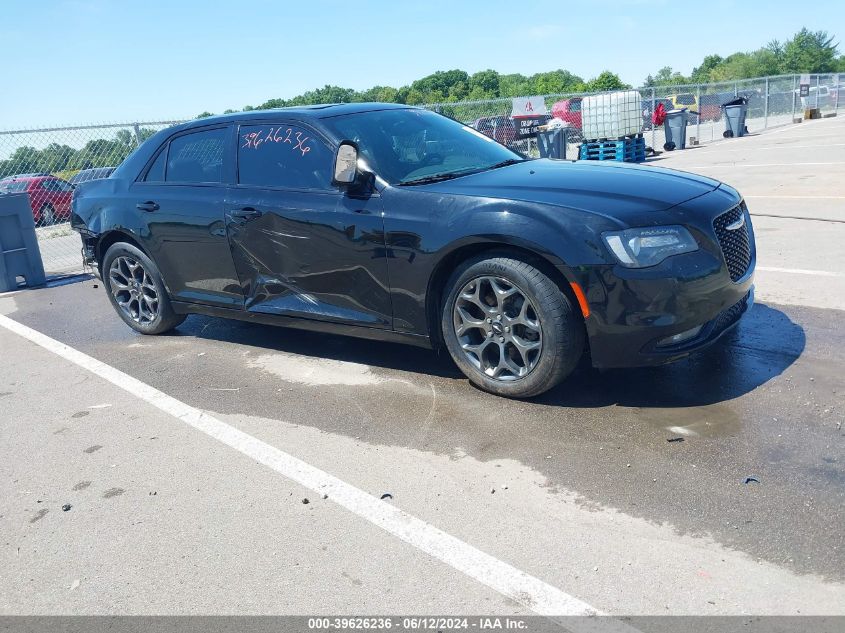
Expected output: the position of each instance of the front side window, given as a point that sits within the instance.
(407, 146)
(283, 155)
(197, 157)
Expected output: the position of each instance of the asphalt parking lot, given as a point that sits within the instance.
(714, 486)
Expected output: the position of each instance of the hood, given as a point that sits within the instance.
(617, 190)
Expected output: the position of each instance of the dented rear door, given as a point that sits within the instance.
(301, 247)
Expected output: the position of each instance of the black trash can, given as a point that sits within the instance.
(552, 143)
(675, 128)
(735, 112)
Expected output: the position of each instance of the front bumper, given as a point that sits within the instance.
(633, 311)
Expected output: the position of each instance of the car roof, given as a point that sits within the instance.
(17, 177)
(319, 111)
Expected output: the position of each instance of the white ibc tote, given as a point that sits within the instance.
(611, 115)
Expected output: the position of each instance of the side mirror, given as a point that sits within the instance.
(345, 164)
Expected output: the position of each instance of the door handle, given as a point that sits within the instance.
(149, 205)
(242, 216)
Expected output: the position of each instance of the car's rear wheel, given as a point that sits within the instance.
(48, 215)
(509, 327)
(136, 290)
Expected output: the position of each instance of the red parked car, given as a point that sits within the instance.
(568, 110)
(49, 196)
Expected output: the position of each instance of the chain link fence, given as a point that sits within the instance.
(772, 101)
(47, 163)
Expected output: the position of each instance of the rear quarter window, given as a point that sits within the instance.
(156, 171)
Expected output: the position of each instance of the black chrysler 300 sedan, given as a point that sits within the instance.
(396, 223)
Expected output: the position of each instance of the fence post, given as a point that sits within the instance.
(137, 129)
(653, 104)
(793, 97)
(766, 107)
(698, 121)
(838, 90)
(818, 80)
(736, 89)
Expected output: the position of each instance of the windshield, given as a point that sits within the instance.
(408, 146)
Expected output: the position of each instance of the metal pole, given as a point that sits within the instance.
(838, 90)
(766, 107)
(137, 129)
(793, 97)
(736, 88)
(653, 104)
(698, 122)
(818, 79)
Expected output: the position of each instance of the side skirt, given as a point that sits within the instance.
(357, 331)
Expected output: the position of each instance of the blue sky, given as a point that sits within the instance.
(93, 61)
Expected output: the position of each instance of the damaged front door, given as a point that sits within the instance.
(301, 247)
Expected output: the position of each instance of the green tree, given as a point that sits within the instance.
(666, 77)
(515, 85)
(556, 82)
(440, 84)
(23, 160)
(55, 157)
(203, 115)
(605, 81)
(484, 82)
(382, 94)
(810, 52)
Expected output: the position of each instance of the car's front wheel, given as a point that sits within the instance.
(509, 327)
(136, 290)
(48, 215)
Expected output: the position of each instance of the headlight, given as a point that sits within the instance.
(642, 247)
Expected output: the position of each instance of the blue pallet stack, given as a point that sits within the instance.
(630, 149)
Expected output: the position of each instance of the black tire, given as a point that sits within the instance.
(115, 271)
(560, 330)
(669, 146)
(48, 215)
(728, 134)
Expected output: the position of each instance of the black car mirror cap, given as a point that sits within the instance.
(345, 172)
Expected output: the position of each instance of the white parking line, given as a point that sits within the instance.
(800, 271)
(520, 587)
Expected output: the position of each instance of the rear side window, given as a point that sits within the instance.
(283, 156)
(197, 157)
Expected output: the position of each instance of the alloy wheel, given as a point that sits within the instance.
(133, 289)
(48, 217)
(498, 328)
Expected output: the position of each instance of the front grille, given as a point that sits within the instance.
(736, 244)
